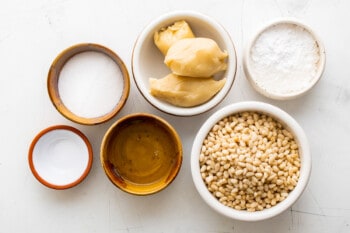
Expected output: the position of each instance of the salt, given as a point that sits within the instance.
(60, 156)
(90, 84)
(284, 59)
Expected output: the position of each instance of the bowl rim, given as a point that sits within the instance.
(166, 125)
(230, 73)
(285, 119)
(41, 179)
(248, 70)
(54, 74)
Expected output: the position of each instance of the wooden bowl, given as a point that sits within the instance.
(54, 74)
(141, 154)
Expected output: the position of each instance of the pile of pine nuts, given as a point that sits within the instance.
(249, 161)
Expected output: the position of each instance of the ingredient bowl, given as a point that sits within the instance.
(148, 61)
(60, 157)
(284, 60)
(88, 97)
(141, 153)
(250, 161)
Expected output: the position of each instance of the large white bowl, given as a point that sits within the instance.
(290, 124)
(148, 61)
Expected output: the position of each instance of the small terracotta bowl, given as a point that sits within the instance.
(141, 154)
(60, 157)
(54, 74)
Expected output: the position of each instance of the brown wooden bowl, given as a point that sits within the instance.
(54, 74)
(141, 154)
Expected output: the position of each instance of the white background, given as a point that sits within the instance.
(33, 32)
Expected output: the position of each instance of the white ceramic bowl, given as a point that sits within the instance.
(289, 123)
(266, 89)
(60, 157)
(147, 60)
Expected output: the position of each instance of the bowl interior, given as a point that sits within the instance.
(141, 154)
(289, 123)
(148, 61)
(250, 72)
(117, 98)
(60, 157)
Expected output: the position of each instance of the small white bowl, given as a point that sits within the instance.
(148, 61)
(60, 157)
(266, 89)
(289, 123)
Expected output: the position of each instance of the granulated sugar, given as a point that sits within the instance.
(284, 59)
(90, 84)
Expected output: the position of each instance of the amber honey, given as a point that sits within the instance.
(143, 154)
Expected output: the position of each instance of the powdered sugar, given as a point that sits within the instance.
(284, 59)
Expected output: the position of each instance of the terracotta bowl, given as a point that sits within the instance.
(60, 157)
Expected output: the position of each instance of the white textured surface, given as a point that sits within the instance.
(32, 33)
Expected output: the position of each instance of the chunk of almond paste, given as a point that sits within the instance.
(196, 57)
(185, 91)
(167, 36)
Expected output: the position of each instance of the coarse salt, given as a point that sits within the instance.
(284, 59)
(90, 84)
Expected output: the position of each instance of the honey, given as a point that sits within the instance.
(143, 154)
